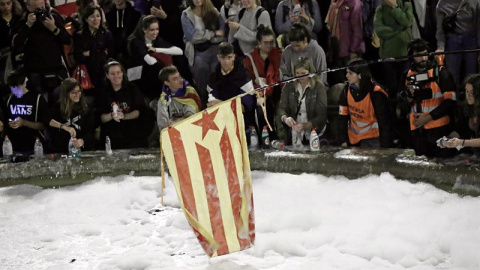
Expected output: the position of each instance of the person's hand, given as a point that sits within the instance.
(86, 53)
(31, 19)
(151, 48)
(71, 131)
(118, 116)
(1, 126)
(304, 15)
(298, 127)
(294, 17)
(289, 122)
(78, 143)
(213, 102)
(392, 3)
(49, 23)
(19, 122)
(353, 56)
(421, 119)
(158, 12)
(233, 25)
(219, 33)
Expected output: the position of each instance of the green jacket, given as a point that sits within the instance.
(394, 28)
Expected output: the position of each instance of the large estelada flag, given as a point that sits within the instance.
(207, 157)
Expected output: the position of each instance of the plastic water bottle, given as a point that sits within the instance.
(265, 138)
(253, 139)
(72, 150)
(314, 141)
(108, 146)
(7, 148)
(38, 149)
(114, 109)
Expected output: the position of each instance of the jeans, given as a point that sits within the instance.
(204, 65)
(461, 65)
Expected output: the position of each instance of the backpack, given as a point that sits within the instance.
(236, 47)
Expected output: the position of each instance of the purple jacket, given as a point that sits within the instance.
(351, 28)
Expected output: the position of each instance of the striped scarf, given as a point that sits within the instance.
(333, 18)
(185, 95)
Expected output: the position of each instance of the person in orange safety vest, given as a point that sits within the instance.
(363, 109)
(431, 93)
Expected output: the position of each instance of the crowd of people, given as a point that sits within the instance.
(128, 69)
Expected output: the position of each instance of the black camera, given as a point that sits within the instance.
(156, 3)
(42, 14)
(416, 86)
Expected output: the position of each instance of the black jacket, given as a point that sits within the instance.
(42, 49)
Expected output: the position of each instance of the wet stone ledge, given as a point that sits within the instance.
(461, 175)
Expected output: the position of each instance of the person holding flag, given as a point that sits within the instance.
(178, 100)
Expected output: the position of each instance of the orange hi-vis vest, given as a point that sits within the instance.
(429, 105)
(363, 122)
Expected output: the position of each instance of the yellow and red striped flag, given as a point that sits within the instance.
(207, 157)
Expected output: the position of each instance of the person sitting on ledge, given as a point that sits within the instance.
(178, 100)
(122, 110)
(71, 118)
(25, 111)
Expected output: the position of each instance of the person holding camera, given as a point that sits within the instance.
(40, 36)
(431, 93)
(178, 100)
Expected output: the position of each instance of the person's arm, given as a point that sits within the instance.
(285, 72)
(110, 44)
(23, 30)
(459, 143)
(249, 101)
(192, 34)
(321, 64)
(282, 23)
(383, 31)
(316, 17)
(60, 32)
(440, 35)
(163, 118)
(55, 124)
(403, 14)
(380, 105)
(78, 52)
(447, 87)
(174, 50)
